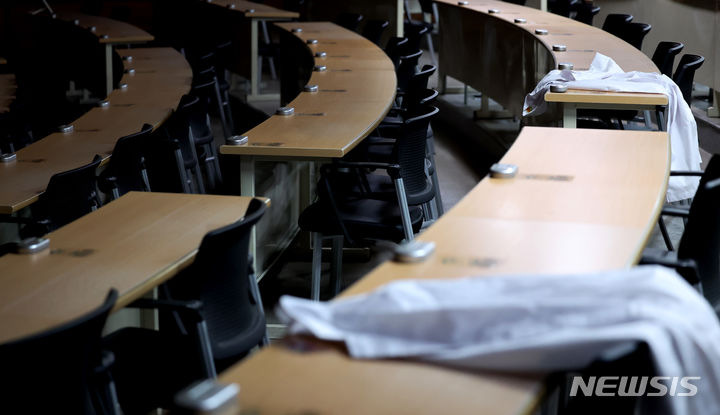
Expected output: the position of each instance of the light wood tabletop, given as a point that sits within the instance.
(107, 30)
(506, 59)
(355, 92)
(256, 10)
(161, 78)
(131, 244)
(582, 201)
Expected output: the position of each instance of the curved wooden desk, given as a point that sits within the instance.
(583, 201)
(109, 33)
(506, 60)
(116, 246)
(162, 77)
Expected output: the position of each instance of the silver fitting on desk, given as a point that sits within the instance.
(250, 11)
(208, 397)
(559, 88)
(32, 245)
(541, 31)
(130, 71)
(463, 3)
(231, 6)
(566, 65)
(105, 36)
(310, 88)
(104, 103)
(321, 54)
(76, 22)
(123, 85)
(92, 29)
(66, 128)
(296, 30)
(559, 48)
(493, 11)
(127, 58)
(311, 41)
(236, 140)
(414, 251)
(8, 157)
(285, 111)
(503, 171)
(320, 68)
(520, 20)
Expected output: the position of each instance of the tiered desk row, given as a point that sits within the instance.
(161, 78)
(582, 202)
(506, 59)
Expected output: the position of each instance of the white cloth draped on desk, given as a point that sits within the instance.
(605, 75)
(538, 323)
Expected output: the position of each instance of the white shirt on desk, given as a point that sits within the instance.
(605, 75)
(529, 323)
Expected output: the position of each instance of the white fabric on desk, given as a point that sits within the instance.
(605, 75)
(537, 323)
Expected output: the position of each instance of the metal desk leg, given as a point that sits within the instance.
(108, 69)
(400, 18)
(569, 115)
(247, 188)
(543, 5)
(254, 75)
(714, 111)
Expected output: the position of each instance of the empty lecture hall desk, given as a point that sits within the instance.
(256, 14)
(152, 92)
(506, 60)
(132, 244)
(354, 95)
(582, 201)
(110, 33)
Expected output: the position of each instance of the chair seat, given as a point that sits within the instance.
(382, 187)
(363, 219)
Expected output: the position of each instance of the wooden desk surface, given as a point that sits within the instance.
(118, 32)
(260, 11)
(131, 244)
(356, 92)
(583, 200)
(162, 77)
(582, 42)
(8, 87)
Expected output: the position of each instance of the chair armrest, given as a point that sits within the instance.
(190, 309)
(687, 268)
(673, 211)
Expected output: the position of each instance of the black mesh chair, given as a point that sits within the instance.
(395, 48)
(374, 30)
(685, 74)
(350, 21)
(178, 129)
(614, 23)
(406, 69)
(356, 206)
(211, 316)
(634, 33)
(69, 195)
(194, 111)
(206, 87)
(664, 56)
(697, 258)
(414, 35)
(414, 26)
(563, 7)
(62, 369)
(126, 170)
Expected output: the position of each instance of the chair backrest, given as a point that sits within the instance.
(395, 48)
(178, 128)
(56, 370)
(614, 22)
(563, 7)
(127, 163)
(586, 13)
(349, 21)
(701, 239)
(219, 278)
(195, 112)
(416, 86)
(426, 6)
(69, 195)
(414, 33)
(409, 152)
(685, 74)
(664, 56)
(165, 165)
(634, 33)
(374, 30)
(406, 69)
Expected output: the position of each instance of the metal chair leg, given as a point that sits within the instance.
(336, 265)
(404, 209)
(665, 234)
(316, 266)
